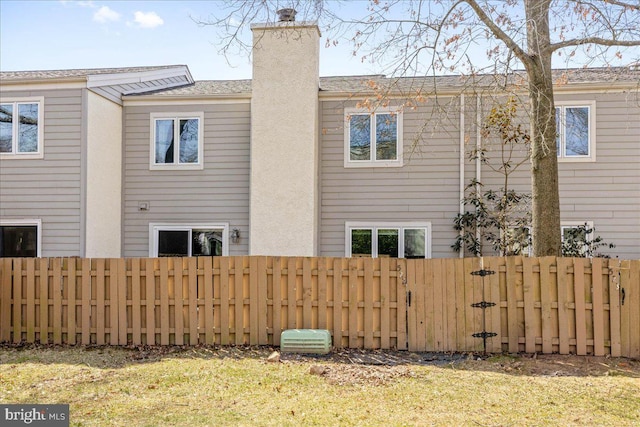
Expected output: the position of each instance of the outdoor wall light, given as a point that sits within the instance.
(235, 235)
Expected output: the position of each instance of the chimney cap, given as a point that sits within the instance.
(286, 15)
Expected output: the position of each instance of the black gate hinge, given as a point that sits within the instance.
(482, 273)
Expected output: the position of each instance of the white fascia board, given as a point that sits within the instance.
(150, 100)
(137, 77)
(36, 85)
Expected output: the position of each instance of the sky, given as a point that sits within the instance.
(65, 34)
(53, 34)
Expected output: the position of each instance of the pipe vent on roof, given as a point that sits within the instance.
(286, 15)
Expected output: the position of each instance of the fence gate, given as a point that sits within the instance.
(450, 305)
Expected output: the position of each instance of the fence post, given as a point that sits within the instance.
(6, 265)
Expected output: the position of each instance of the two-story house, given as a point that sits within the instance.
(135, 162)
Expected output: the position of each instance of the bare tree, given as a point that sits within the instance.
(418, 38)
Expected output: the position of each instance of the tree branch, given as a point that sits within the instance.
(593, 40)
(497, 31)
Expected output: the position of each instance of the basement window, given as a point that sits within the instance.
(392, 240)
(181, 240)
(20, 238)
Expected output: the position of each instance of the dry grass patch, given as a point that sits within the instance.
(236, 386)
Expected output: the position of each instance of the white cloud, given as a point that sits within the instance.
(105, 14)
(147, 19)
(82, 3)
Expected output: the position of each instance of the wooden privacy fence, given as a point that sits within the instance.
(548, 305)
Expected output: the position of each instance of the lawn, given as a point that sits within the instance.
(236, 386)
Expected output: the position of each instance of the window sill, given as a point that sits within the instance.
(176, 167)
(33, 156)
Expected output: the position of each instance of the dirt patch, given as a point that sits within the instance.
(341, 366)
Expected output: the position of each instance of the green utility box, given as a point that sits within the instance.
(317, 341)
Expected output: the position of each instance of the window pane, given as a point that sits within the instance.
(361, 242)
(189, 141)
(173, 243)
(386, 137)
(388, 243)
(360, 137)
(577, 131)
(164, 141)
(19, 241)
(206, 243)
(28, 128)
(6, 128)
(414, 242)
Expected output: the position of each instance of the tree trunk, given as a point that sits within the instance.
(544, 159)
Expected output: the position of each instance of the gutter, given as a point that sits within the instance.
(462, 101)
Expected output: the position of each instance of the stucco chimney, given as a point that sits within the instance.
(284, 138)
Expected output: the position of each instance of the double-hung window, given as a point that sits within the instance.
(20, 238)
(21, 133)
(373, 138)
(180, 240)
(575, 131)
(393, 240)
(521, 242)
(176, 141)
(573, 233)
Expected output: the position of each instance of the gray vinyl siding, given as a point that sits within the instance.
(606, 191)
(49, 189)
(425, 189)
(218, 193)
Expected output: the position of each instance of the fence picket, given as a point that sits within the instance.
(190, 304)
(368, 303)
(71, 300)
(224, 300)
(598, 307)
(563, 265)
(86, 302)
(581, 326)
(136, 303)
(276, 303)
(238, 300)
(545, 296)
(17, 302)
(150, 296)
(179, 265)
(337, 302)
(353, 302)
(262, 318)
(6, 268)
(31, 299)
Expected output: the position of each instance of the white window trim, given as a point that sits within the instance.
(177, 116)
(27, 100)
(563, 225)
(156, 227)
(350, 225)
(576, 224)
(348, 163)
(591, 105)
(28, 222)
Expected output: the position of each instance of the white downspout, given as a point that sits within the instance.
(478, 147)
(461, 165)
